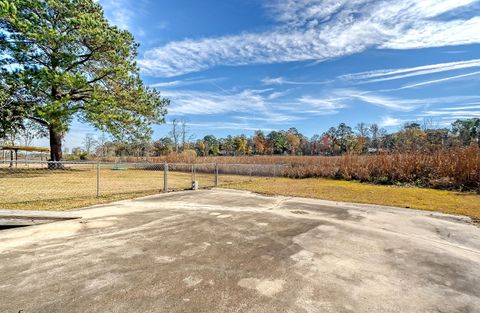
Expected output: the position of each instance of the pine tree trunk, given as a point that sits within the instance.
(55, 149)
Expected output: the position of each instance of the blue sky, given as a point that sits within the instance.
(232, 67)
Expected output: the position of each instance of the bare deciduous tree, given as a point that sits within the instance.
(102, 148)
(185, 135)
(29, 132)
(89, 142)
(180, 135)
(175, 133)
(375, 133)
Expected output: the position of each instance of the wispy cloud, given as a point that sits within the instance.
(186, 82)
(229, 126)
(394, 74)
(265, 106)
(467, 107)
(257, 105)
(388, 121)
(351, 96)
(455, 51)
(249, 108)
(208, 103)
(118, 12)
(428, 34)
(390, 103)
(309, 13)
(316, 30)
(278, 94)
(376, 99)
(322, 106)
(283, 81)
(454, 112)
(125, 14)
(441, 80)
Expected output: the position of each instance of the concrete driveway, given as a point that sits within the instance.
(232, 251)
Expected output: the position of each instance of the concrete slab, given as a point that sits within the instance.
(17, 218)
(49, 215)
(233, 251)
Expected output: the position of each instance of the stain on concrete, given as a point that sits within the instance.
(337, 212)
(164, 259)
(299, 212)
(264, 287)
(192, 281)
(209, 197)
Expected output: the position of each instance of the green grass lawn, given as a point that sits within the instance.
(348, 191)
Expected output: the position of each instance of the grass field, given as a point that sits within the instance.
(348, 191)
(42, 189)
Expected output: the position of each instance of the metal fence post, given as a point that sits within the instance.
(194, 177)
(216, 174)
(274, 170)
(165, 177)
(194, 172)
(98, 178)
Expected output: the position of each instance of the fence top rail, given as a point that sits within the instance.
(141, 164)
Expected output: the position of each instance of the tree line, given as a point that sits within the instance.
(339, 140)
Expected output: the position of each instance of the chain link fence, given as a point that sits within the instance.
(51, 185)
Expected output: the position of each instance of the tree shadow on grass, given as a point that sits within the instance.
(35, 172)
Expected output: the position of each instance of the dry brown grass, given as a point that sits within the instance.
(467, 204)
(36, 188)
(457, 168)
